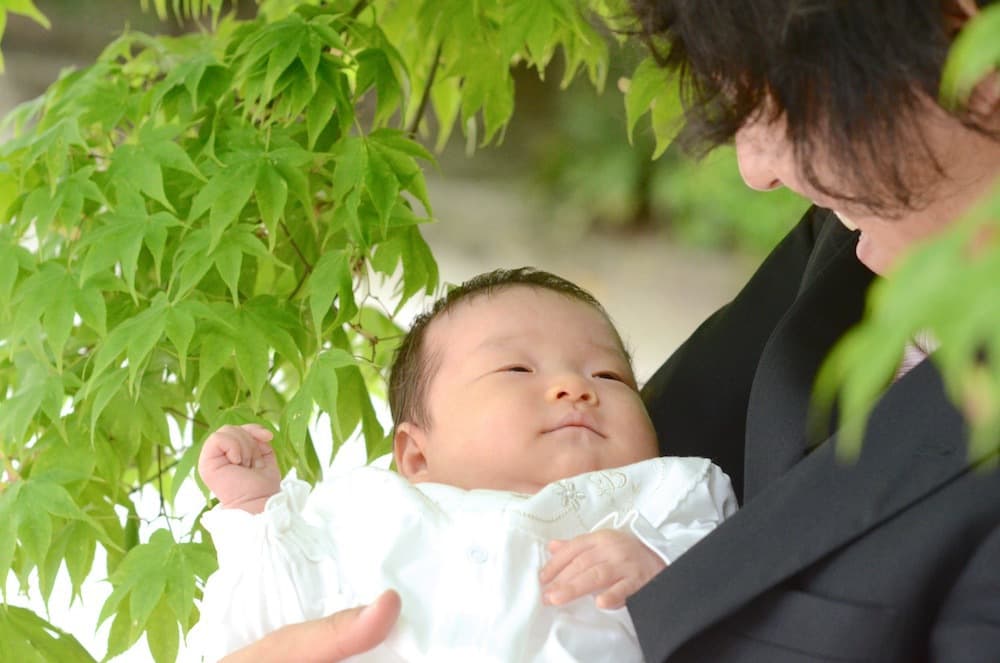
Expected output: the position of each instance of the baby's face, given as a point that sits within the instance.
(531, 386)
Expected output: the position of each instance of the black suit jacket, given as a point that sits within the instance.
(892, 557)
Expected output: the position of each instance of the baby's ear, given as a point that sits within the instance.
(408, 442)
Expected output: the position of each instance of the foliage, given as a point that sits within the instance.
(22, 7)
(194, 229)
(589, 176)
(708, 204)
(944, 288)
(947, 288)
(24, 636)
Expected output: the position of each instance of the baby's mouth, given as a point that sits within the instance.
(576, 420)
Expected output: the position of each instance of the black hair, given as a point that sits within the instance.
(851, 76)
(412, 370)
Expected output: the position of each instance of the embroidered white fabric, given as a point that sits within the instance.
(465, 563)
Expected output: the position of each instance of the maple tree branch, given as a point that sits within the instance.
(425, 97)
(360, 7)
(302, 257)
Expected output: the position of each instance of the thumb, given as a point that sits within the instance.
(326, 640)
(357, 630)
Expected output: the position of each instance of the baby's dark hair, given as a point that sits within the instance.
(851, 78)
(412, 367)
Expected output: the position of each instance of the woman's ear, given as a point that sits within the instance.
(984, 100)
(958, 12)
(408, 450)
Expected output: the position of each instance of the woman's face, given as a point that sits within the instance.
(970, 162)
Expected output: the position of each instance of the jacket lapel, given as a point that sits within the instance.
(831, 301)
(820, 504)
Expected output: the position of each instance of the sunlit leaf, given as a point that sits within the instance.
(653, 89)
(330, 287)
(374, 70)
(161, 634)
(26, 637)
(271, 194)
(976, 52)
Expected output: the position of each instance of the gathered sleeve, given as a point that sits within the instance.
(274, 569)
(691, 498)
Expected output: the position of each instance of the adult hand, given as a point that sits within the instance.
(608, 561)
(238, 465)
(326, 640)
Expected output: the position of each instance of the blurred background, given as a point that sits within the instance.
(661, 243)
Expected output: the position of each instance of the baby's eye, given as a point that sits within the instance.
(516, 368)
(609, 375)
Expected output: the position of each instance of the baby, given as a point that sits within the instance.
(529, 501)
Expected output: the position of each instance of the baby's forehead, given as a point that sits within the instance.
(494, 319)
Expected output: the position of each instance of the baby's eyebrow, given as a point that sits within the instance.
(497, 342)
(508, 341)
(615, 350)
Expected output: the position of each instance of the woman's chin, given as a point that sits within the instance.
(869, 255)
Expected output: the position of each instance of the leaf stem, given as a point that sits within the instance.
(426, 95)
(159, 487)
(360, 7)
(308, 265)
(156, 477)
(291, 240)
(186, 417)
(364, 333)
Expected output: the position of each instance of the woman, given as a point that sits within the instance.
(892, 557)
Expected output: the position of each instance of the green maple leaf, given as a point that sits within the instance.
(653, 89)
(121, 235)
(27, 638)
(419, 267)
(226, 194)
(140, 164)
(159, 580)
(329, 285)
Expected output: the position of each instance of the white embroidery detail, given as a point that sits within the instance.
(571, 497)
(609, 482)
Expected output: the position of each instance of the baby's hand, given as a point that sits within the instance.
(238, 465)
(608, 561)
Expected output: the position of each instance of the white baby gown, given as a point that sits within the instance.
(465, 562)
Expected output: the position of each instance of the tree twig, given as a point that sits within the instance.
(184, 416)
(159, 474)
(426, 95)
(302, 257)
(360, 7)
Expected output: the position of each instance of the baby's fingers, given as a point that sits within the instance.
(241, 450)
(580, 579)
(614, 597)
(258, 432)
(233, 445)
(563, 553)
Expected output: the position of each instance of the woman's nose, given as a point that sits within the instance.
(757, 158)
(573, 388)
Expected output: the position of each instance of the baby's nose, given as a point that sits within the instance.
(573, 388)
